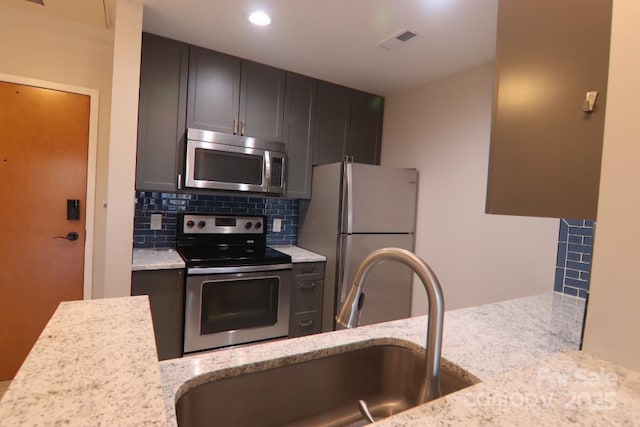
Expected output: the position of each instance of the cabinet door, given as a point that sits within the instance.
(214, 91)
(298, 134)
(332, 116)
(365, 128)
(262, 93)
(165, 289)
(545, 151)
(161, 113)
(306, 297)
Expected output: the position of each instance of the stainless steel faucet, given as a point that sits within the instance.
(349, 315)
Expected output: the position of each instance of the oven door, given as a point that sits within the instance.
(226, 167)
(236, 308)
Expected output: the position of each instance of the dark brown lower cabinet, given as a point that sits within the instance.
(165, 289)
(306, 299)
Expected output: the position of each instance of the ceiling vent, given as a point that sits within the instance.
(397, 39)
(40, 2)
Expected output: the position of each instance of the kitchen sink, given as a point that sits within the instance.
(320, 392)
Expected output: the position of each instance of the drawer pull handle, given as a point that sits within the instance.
(307, 285)
(305, 324)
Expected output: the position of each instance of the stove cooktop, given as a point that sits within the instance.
(203, 256)
(212, 240)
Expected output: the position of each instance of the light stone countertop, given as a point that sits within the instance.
(567, 388)
(156, 259)
(486, 342)
(95, 363)
(299, 254)
(162, 259)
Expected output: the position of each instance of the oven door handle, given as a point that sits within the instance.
(238, 269)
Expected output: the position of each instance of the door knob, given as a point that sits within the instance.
(71, 236)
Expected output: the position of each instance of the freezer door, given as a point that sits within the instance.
(378, 199)
(388, 285)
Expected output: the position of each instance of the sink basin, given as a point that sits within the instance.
(320, 392)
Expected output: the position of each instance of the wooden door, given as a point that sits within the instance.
(43, 163)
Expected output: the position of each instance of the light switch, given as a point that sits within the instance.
(277, 225)
(156, 221)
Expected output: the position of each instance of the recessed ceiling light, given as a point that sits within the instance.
(259, 18)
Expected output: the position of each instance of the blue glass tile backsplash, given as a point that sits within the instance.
(169, 204)
(575, 251)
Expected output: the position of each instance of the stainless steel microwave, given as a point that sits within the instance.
(219, 161)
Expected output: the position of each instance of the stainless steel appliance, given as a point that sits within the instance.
(220, 161)
(354, 210)
(238, 290)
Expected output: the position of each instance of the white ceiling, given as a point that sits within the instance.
(336, 40)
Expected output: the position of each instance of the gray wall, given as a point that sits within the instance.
(442, 128)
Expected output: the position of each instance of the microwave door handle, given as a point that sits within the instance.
(266, 172)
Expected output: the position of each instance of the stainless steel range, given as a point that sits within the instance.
(238, 290)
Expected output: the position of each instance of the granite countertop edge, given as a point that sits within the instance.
(156, 259)
(168, 258)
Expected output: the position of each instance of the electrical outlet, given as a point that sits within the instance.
(277, 225)
(156, 221)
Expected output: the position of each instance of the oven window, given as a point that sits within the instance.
(239, 304)
(220, 166)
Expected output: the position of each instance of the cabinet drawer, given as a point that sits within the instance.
(307, 297)
(304, 325)
(305, 271)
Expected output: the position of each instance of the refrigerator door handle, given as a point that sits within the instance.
(343, 269)
(347, 199)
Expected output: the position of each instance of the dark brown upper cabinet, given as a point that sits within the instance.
(332, 117)
(161, 113)
(545, 150)
(231, 95)
(299, 119)
(365, 127)
(348, 123)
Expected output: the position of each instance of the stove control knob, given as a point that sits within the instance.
(201, 224)
(258, 225)
(248, 225)
(190, 224)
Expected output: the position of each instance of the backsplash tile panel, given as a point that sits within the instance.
(575, 251)
(170, 204)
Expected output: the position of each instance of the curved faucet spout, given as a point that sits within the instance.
(349, 315)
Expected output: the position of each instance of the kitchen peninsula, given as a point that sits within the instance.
(95, 364)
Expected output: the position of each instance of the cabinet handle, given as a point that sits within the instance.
(307, 285)
(179, 181)
(305, 324)
(242, 127)
(235, 126)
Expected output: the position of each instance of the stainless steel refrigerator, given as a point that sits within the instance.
(354, 210)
